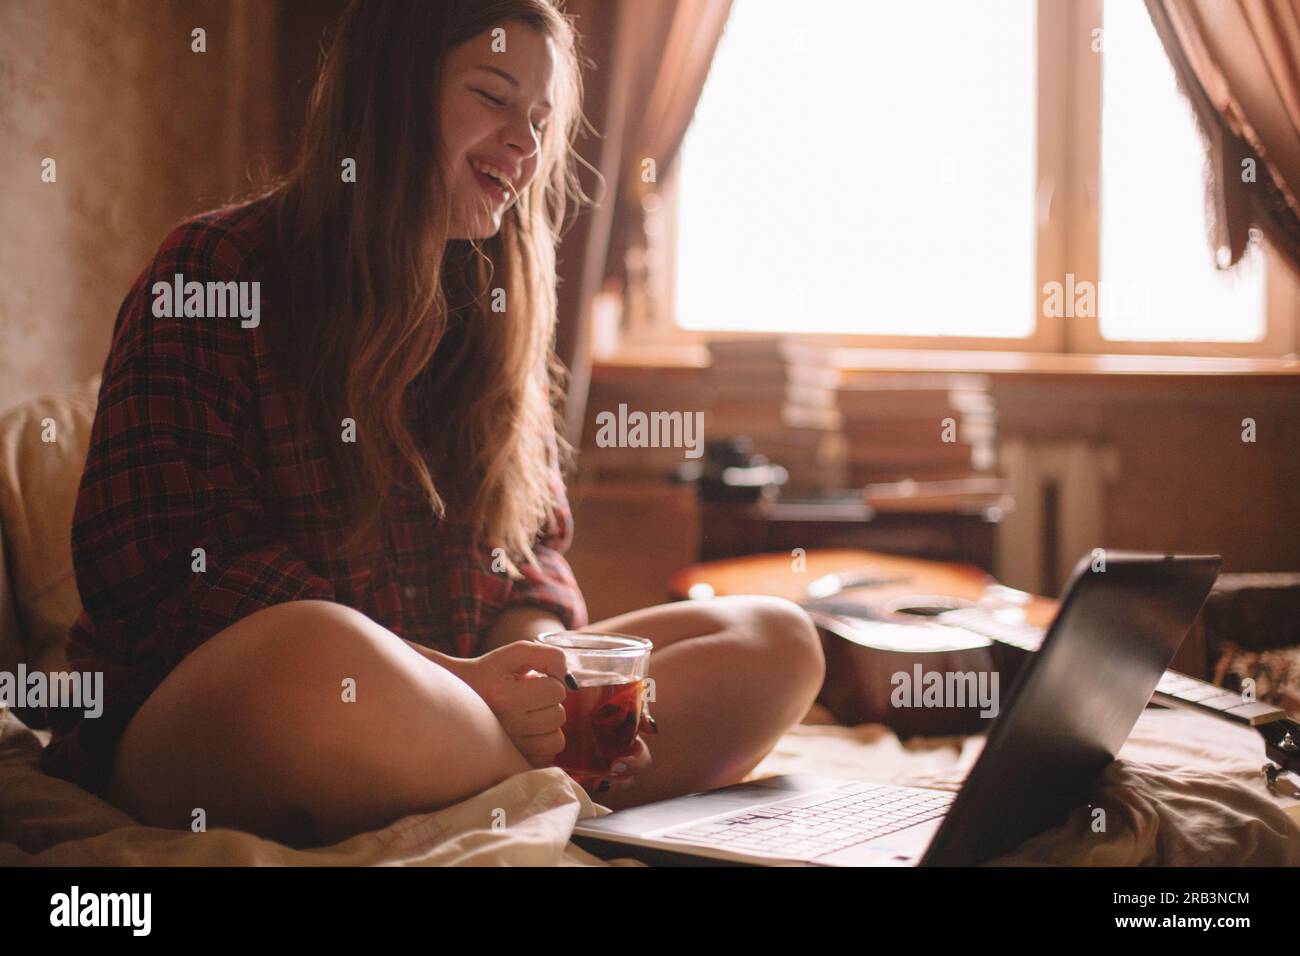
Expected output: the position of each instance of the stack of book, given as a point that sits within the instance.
(917, 426)
(781, 394)
(829, 429)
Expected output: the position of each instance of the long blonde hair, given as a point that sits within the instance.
(373, 281)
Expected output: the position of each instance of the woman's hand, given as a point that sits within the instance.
(624, 769)
(523, 683)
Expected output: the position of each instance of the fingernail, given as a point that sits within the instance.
(604, 785)
(571, 681)
(650, 721)
(619, 768)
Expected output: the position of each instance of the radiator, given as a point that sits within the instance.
(1059, 491)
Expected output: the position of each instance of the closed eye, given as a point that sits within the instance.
(540, 127)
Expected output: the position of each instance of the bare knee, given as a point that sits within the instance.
(308, 709)
(362, 705)
(791, 645)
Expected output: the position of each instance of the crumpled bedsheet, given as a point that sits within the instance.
(1186, 791)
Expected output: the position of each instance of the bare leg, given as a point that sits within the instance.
(732, 675)
(253, 728)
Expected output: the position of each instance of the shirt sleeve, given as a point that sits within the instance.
(550, 584)
(170, 541)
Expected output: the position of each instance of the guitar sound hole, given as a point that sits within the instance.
(928, 605)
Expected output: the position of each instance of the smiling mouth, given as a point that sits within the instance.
(491, 187)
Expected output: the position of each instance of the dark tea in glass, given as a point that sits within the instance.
(600, 725)
(602, 716)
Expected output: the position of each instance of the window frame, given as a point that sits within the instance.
(1084, 333)
(1067, 230)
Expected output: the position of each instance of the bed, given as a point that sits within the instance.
(1187, 790)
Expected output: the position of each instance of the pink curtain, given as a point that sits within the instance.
(649, 60)
(1238, 61)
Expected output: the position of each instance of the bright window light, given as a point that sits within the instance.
(1158, 281)
(864, 168)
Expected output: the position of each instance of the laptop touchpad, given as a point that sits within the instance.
(904, 848)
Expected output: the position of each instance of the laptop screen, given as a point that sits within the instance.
(1076, 701)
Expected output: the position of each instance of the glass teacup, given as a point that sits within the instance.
(603, 715)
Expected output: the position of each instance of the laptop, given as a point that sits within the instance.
(1072, 706)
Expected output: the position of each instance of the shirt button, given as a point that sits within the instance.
(409, 590)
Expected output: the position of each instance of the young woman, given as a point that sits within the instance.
(316, 535)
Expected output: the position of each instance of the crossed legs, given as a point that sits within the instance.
(256, 728)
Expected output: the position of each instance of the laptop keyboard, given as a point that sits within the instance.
(815, 824)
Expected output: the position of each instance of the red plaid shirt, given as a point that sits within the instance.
(193, 447)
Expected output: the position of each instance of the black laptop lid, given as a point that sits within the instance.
(1076, 701)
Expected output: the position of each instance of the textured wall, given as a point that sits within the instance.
(144, 131)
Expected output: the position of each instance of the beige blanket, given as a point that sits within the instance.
(1187, 790)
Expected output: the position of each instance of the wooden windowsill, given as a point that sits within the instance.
(1055, 364)
(990, 363)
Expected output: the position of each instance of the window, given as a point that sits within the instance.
(826, 155)
(920, 175)
(1158, 281)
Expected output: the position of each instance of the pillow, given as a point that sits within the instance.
(38, 492)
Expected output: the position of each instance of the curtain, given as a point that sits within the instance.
(648, 61)
(1238, 62)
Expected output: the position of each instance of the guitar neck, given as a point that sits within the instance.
(1174, 689)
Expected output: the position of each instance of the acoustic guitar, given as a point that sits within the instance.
(882, 616)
